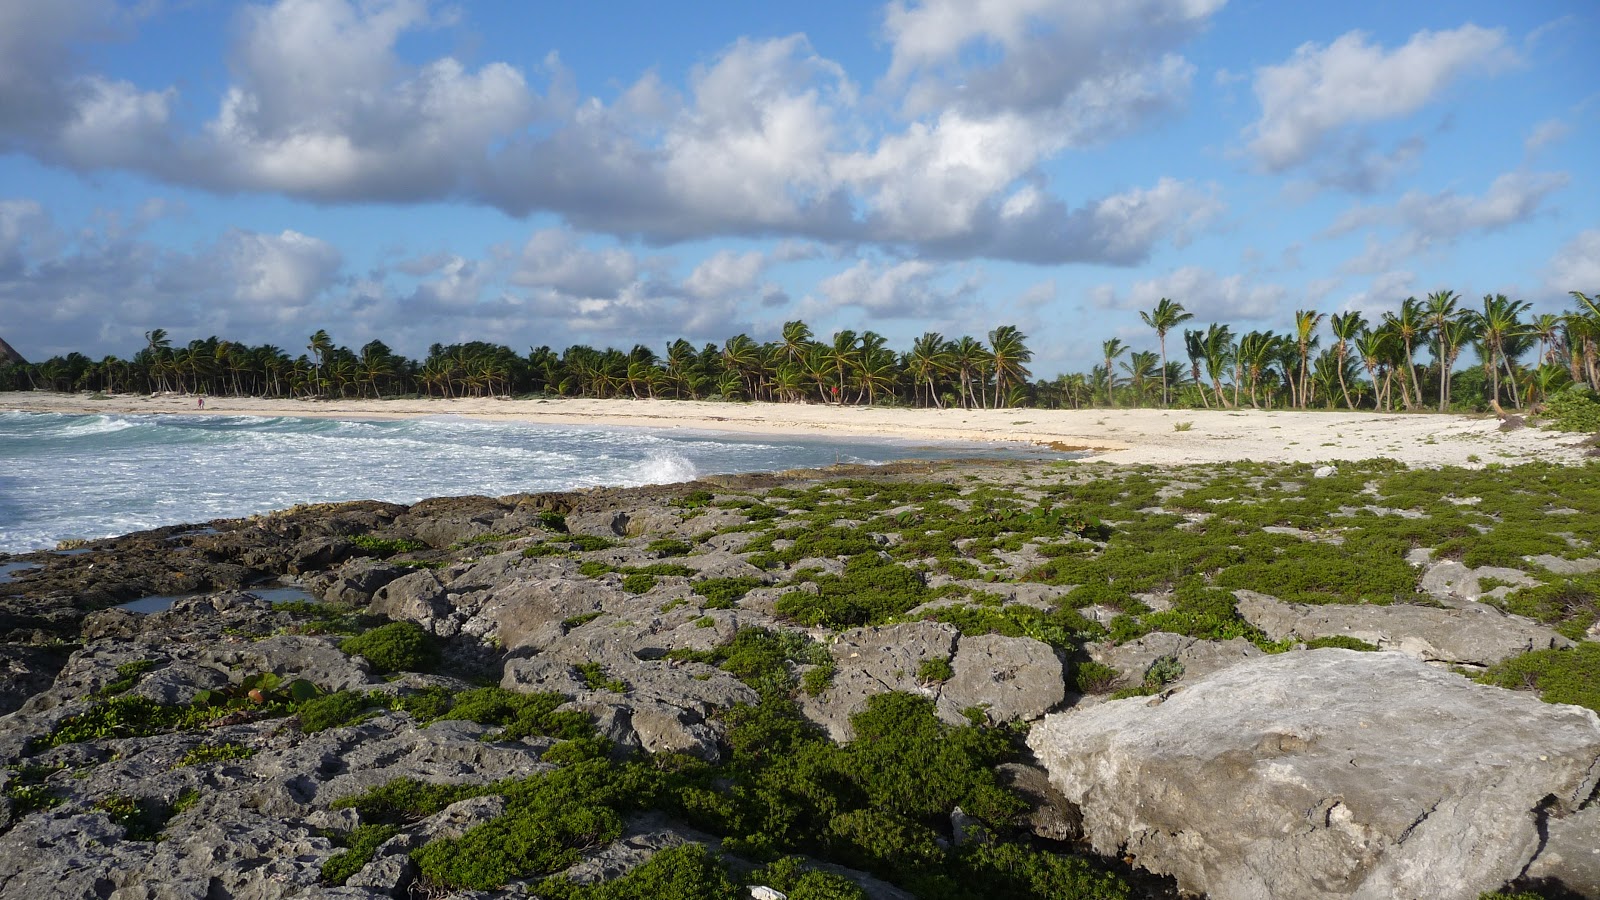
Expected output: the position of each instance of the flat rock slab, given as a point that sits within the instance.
(1454, 583)
(1199, 658)
(1323, 774)
(1472, 635)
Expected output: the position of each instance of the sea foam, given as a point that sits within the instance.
(95, 476)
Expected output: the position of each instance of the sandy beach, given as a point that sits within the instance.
(1123, 436)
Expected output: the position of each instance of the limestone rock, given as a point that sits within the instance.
(1010, 678)
(1199, 658)
(354, 582)
(873, 661)
(419, 597)
(1325, 774)
(1475, 635)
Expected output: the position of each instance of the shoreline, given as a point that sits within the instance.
(1119, 436)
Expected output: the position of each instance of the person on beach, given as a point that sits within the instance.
(201, 401)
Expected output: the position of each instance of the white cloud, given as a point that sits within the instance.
(1576, 266)
(1547, 132)
(287, 269)
(554, 258)
(726, 274)
(1512, 198)
(1321, 91)
(1211, 297)
(911, 288)
(1384, 293)
(769, 141)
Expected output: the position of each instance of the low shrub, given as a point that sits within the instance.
(360, 843)
(935, 670)
(682, 872)
(1340, 642)
(594, 677)
(1573, 409)
(386, 546)
(725, 593)
(1560, 676)
(395, 647)
(210, 753)
(519, 715)
(335, 710)
(141, 818)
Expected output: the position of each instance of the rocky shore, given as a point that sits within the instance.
(936, 680)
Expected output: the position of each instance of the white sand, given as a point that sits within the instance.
(1117, 436)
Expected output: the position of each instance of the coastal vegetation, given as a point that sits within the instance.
(750, 589)
(1475, 356)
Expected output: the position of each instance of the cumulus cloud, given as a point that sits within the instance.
(726, 274)
(1312, 99)
(554, 258)
(768, 138)
(1576, 266)
(1210, 296)
(1044, 55)
(96, 290)
(912, 288)
(1512, 198)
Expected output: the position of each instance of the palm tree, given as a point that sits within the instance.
(796, 340)
(1217, 347)
(160, 347)
(842, 355)
(1194, 344)
(1256, 352)
(1499, 322)
(321, 348)
(1112, 349)
(1166, 316)
(1010, 356)
(929, 358)
(1345, 327)
(1411, 326)
(1141, 368)
(1583, 337)
(1441, 309)
(971, 359)
(1305, 327)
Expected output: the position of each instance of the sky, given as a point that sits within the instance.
(632, 172)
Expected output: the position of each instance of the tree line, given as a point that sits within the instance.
(1513, 359)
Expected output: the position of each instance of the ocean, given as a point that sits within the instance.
(91, 476)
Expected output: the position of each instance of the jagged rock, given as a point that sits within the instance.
(723, 564)
(419, 597)
(1009, 678)
(314, 658)
(1199, 658)
(541, 673)
(608, 523)
(1569, 862)
(355, 581)
(873, 661)
(25, 671)
(1476, 635)
(1325, 774)
(315, 554)
(530, 613)
(1050, 815)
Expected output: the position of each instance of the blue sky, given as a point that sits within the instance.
(621, 173)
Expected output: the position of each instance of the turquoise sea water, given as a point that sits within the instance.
(88, 476)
